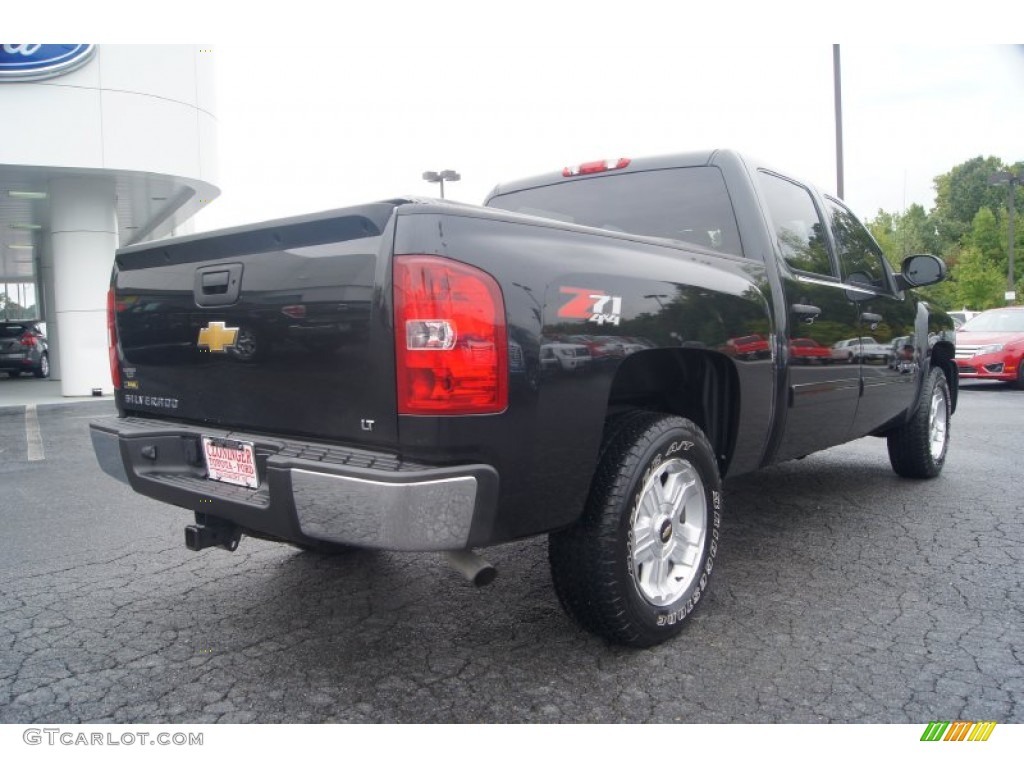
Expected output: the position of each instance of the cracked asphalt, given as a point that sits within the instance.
(841, 594)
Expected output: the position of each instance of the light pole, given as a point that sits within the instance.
(538, 310)
(837, 89)
(657, 297)
(435, 177)
(1012, 180)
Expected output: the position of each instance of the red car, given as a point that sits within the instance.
(809, 351)
(748, 347)
(991, 346)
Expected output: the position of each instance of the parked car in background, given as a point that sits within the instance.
(863, 349)
(807, 351)
(564, 357)
(752, 347)
(991, 346)
(600, 349)
(962, 316)
(901, 353)
(23, 349)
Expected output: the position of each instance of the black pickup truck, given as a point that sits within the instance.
(586, 356)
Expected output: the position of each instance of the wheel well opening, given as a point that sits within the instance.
(697, 385)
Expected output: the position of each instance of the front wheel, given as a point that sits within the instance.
(918, 448)
(637, 562)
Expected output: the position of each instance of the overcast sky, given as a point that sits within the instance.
(307, 128)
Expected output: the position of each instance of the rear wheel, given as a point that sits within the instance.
(918, 448)
(247, 346)
(42, 371)
(638, 561)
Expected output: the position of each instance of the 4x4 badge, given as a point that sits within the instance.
(217, 337)
(592, 305)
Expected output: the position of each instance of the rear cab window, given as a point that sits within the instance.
(690, 205)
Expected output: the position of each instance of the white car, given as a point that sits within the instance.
(962, 316)
(861, 348)
(565, 357)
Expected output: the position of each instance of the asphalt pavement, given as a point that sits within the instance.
(841, 594)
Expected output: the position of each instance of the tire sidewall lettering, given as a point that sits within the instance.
(669, 616)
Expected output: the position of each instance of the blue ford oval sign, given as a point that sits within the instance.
(35, 61)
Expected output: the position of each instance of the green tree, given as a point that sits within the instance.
(979, 283)
(968, 224)
(917, 232)
(985, 236)
(10, 309)
(883, 229)
(962, 192)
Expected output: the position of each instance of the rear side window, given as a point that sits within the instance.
(798, 227)
(687, 204)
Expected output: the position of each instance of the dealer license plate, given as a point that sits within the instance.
(230, 461)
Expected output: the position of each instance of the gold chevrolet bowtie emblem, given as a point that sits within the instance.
(217, 337)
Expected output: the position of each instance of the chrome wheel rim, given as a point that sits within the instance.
(44, 366)
(938, 423)
(667, 532)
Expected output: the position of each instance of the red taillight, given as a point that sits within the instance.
(27, 340)
(115, 368)
(451, 347)
(597, 166)
(295, 311)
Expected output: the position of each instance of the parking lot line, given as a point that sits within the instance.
(33, 436)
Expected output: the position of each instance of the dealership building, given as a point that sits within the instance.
(100, 147)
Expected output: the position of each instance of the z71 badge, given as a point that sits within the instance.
(593, 306)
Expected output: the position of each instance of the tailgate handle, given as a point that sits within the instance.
(218, 285)
(215, 282)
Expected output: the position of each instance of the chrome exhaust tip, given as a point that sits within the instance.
(478, 571)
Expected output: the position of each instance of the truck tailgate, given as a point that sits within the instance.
(279, 327)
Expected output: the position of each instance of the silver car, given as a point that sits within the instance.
(23, 349)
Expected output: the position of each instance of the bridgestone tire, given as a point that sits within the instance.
(637, 562)
(918, 448)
